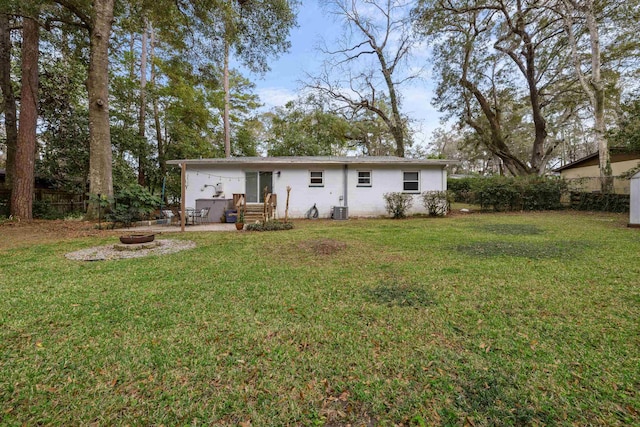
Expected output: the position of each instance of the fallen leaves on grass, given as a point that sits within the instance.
(512, 229)
(531, 250)
(26, 233)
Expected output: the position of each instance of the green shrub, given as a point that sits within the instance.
(437, 203)
(397, 204)
(269, 226)
(500, 193)
(600, 202)
(132, 203)
(460, 189)
(542, 193)
(42, 209)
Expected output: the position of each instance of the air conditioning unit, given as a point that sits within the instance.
(340, 212)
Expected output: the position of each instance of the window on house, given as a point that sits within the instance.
(316, 178)
(364, 178)
(411, 182)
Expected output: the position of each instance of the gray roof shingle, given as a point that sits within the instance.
(316, 160)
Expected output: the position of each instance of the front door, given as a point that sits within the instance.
(256, 182)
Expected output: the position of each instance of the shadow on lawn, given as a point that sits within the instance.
(512, 229)
(402, 295)
(493, 397)
(531, 250)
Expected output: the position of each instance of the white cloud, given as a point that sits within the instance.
(275, 96)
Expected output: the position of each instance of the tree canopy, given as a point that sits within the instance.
(105, 114)
(124, 85)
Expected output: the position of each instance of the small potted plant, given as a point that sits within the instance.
(240, 220)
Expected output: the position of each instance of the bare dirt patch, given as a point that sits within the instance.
(323, 246)
(15, 234)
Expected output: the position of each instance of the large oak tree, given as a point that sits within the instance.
(22, 192)
(368, 65)
(97, 18)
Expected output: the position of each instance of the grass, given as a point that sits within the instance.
(510, 319)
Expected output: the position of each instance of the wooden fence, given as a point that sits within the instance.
(55, 201)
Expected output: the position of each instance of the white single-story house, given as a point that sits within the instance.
(353, 184)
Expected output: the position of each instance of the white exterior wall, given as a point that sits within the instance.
(303, 197)
(361, 201)
(634, 211)
(368, 201)
(232, 180)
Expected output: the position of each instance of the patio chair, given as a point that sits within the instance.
(203, 215)
(188, 216)
(168, 214)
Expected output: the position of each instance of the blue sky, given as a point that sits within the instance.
(314, 24)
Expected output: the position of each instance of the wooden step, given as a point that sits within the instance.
(250, 219)
(253, 212)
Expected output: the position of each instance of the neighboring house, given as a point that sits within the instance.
(357, 183)
(586, 170)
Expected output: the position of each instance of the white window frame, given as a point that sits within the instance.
(407, 181)
(312, 178)
(364, 184)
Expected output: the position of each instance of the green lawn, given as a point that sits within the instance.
(493, 319)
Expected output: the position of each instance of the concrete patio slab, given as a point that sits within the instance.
(175, 228)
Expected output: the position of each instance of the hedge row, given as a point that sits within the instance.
(508, 194)
(530, 193)
(599, 202)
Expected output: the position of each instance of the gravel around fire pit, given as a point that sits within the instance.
(107, 252)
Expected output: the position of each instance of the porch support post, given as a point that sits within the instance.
(183, 192)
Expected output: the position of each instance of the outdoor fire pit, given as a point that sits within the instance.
(136, 242)
(133, 239)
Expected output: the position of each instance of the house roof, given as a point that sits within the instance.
(618, 154)
(316, 160)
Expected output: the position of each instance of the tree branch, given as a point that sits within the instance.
(87, 22)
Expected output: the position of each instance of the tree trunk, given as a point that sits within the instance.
(162, 162)
(396, 130)
(225, 119)
(495, 142)
(538, 160)
(593, 87)
(143, 104)
(530, 73)
(100, 152)
(22, 194)
(398, 135)
(9, 99)
(598, 108)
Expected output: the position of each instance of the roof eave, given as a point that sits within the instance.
(276, 161)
